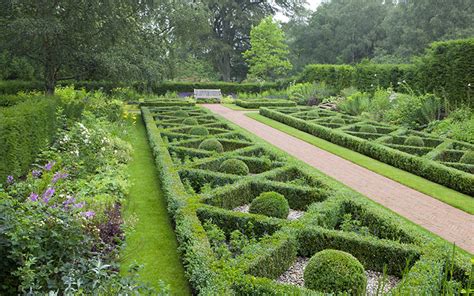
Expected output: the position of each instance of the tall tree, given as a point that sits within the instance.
(231, 22)
(268, 55)
(66, 37)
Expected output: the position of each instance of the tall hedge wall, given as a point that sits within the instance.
(446, 69)
(25, 129)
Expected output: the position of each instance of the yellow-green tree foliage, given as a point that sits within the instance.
(268, 55)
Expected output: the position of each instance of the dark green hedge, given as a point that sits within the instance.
(431, 170)
(25, 129)
(225, 87)
(447, 68)
(251, 104)
(166, 103)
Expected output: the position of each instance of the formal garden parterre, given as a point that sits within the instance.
(228, 250)
(445, 161)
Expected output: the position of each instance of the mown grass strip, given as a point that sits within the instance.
(442, 193)
(153, 241)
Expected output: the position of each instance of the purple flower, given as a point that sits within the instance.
(33, 196)
(10, 179)
(36, 173)
(88, 214)
(79, 205)
(58, 176)
(48, 194)
(69, 200)
(49, 165)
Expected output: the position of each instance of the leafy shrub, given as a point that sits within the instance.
(234, 166)
(338, 120)
(368, 129)
(199, 131)
(211, 145)
(271, 204)
(303, 93)
(458, 125)
(355, 104)
(414, 141)
(468, 157)
(190, 121)
(313, 113)
(334, 271)
(181, 113)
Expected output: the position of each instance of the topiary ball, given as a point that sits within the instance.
(190, 121)
(199, 131)
(368, 129)
(338, 120)
(333, 271)
(211, 145)
(414, 141)
(468, 157)
(270, 204)
(234, 166)
(181, 113)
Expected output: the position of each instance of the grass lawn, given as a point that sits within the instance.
(442, 193)
(236, 108)
(153, 242)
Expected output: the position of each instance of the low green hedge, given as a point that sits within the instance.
(373, 253)
(431, 170)
(251, 104)
(25, 129)
(278, 241)
(165, 103)
(225, 87)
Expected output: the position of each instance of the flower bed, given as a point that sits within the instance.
(436, 159)
(233, 252)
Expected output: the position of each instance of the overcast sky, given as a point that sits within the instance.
(311, 4)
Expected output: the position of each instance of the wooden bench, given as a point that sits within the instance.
(208, 94)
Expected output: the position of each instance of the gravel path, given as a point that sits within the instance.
(294, 276)
(293, 215)
(444, 220)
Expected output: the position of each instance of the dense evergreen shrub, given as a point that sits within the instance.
(25, 130)
(211, 145)
(368, 129)
(271, 204)
(181, 113)
(414, 141)
(190, 121)
(199, 131)
(338, 120)
(255, 104)
(334, 271)
(225, 87)
(468, 157)
(337, 76)
(234, 166)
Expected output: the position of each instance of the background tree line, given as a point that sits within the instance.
(154, 40)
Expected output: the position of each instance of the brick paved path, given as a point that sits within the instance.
(446, 221)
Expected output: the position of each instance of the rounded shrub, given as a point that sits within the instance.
(368, 129)
(234, 166)
(199, 131)
(190, 121)
(414, 141)
(211, 145)
(313, 113)
(468, 157)
(333, 271)
(338, 120)
(270, 204)
(181, 113)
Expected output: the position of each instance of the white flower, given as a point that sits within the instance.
(469, 85)
(375, 75)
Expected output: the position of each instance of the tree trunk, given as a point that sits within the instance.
(224, 66)
(50, 78)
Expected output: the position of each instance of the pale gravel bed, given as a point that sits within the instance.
(294, 276)
(293, 215)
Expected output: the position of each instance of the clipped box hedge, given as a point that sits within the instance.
(279, 241)
(431, 170)
(255, 104)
